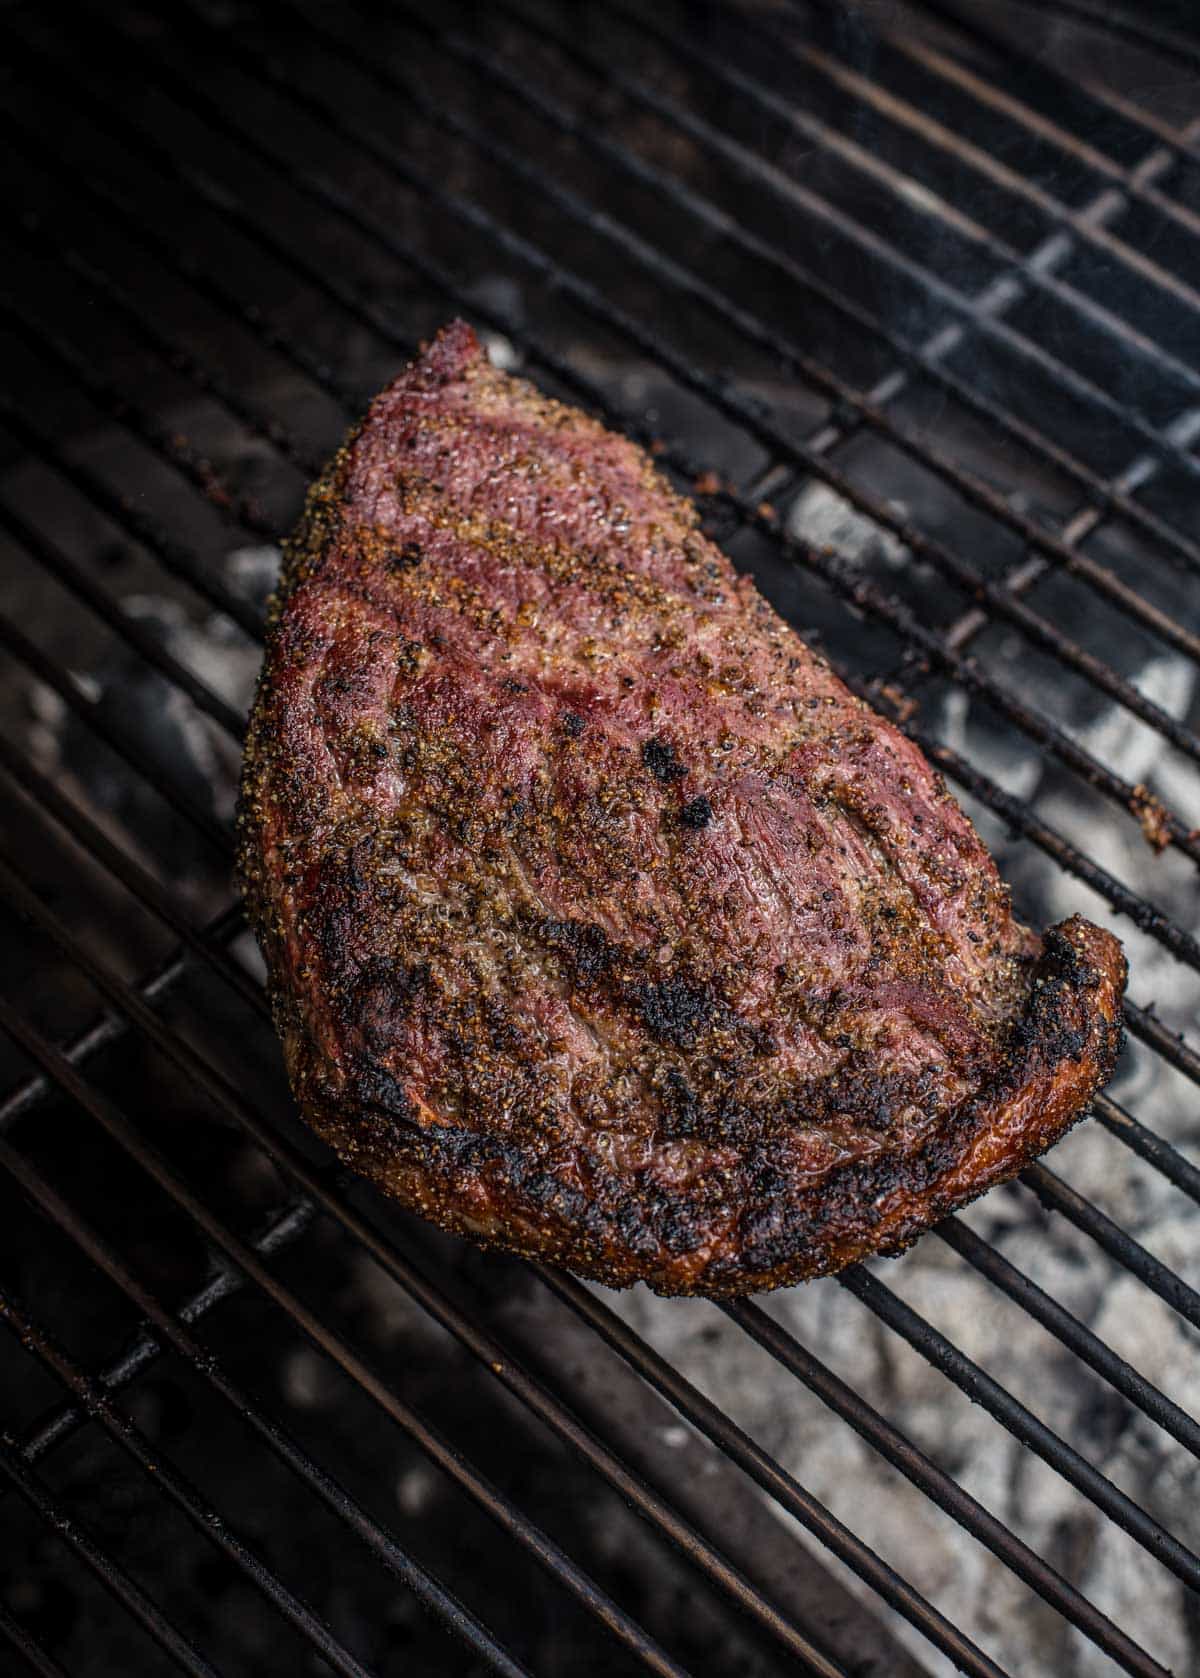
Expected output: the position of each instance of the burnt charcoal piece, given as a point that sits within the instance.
(715, 987)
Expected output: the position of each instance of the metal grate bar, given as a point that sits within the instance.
(170, 554)
(45, 669)
(754, 330)
(900, 1452)
(1177, 145)
(973, 26)
(1161, 1155)
(924, 361)
(141, 885)
(23, 1642)
(500, 1508)
(1059, 372)
(167, 445)
(1171, 1045)
(1130, 1254)
(106, 1028)
(1164, 41)
(722, 396)
(172, 1332)
(176, 1487)
(143, 329)
(774, 1480)
(75, 578)
(113, 1577)
(1012, 1415)
(1070, 1332)
(199, 1073)
(64, 1420)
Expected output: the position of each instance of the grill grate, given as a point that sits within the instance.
(923, 307)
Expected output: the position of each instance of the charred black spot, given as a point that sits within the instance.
(1055, 1023)
(408, 656)
(374, 1086)
(404, 558)
(681, 1111)
(510, 684)
(631, 1221)
(573, 725)
(678, 1224)
(660, 760)
(696, 813)
(673, 1010)
(585, 948)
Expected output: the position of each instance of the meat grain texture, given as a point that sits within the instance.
(603, 923)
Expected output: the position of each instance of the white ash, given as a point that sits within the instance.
(825, 519)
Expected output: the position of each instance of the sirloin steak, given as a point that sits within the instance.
(603, 923)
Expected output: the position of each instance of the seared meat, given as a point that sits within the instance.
(603, 923)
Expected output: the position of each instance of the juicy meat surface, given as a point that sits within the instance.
(603, 923)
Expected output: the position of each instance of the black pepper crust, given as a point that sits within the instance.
(602, 923)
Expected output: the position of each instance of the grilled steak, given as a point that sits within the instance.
(602, 922)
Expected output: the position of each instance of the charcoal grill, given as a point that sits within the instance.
(907, 296)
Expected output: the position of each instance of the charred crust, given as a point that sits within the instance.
(636, 1229)
(696, 813)
(376, 1089)
(659, 757)
(587, 951)
(673, 1010)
